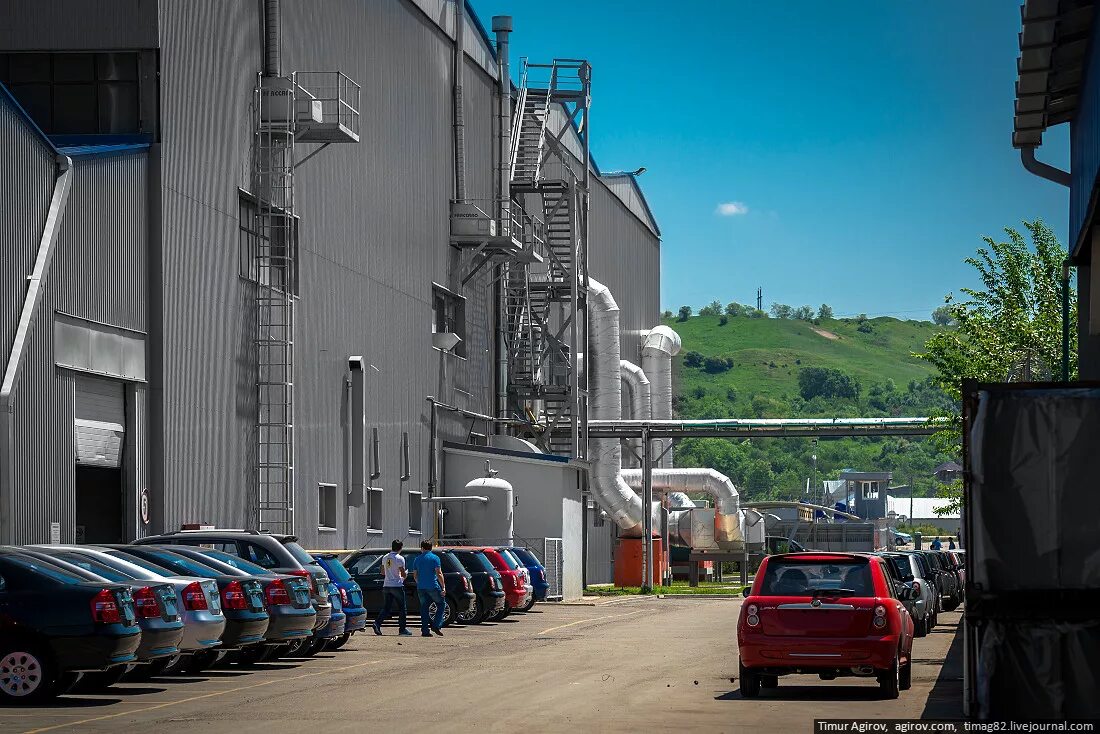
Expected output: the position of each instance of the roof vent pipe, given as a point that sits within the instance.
(502, 27)
(459, 114)
(605, 403)
(272, 39)
(640, 409)
(661, 344)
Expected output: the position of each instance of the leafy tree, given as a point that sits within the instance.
(781, 311)
(693, 359)
(715, 365)
(666, 315)
(723, 320)
(804, 313)
(758, 314)
(759, 479)
(825, 312)
(942, 316)
(714, 308)
(736, 309)
(827, 382)
(1008, 330)
(685, 313)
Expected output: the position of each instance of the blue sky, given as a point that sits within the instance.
(861, 148)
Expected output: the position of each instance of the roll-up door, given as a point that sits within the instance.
(100, 412)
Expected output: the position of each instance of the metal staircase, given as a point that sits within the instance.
(546, 301)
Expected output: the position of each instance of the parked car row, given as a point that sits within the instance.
(84, 617)
(843, 614)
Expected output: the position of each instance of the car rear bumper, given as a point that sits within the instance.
(95, 652)
(766, 651)
(244, 628)
(462, 602)
(201, 630)
(355, 621)
(335, 626)
(288, 623)
(517, 598)
(324, 613)
(159, 640)
(541, 590)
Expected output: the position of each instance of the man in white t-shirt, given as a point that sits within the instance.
(393, 589)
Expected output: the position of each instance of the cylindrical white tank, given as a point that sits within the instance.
(492, 520)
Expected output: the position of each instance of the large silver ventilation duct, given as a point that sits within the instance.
(605, 402)
(660, 346)
(459, 113)
(727, 527)
(272, 39)
(502, 28)
(636, 380)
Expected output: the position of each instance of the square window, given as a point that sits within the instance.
(327, 506)
(416, 512)
(449, 316)
(268, 244)
(374, 509)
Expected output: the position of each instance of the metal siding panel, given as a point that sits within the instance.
(1085, 141)
(78, 24)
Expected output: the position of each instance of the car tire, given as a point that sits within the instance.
(920, 627)
(888, 680)
(101, 681)
(199, 662)
(449, 614)
(905, 676)
(252, 655)
(297, 649)
(339, 641)
(827, 676)
(527, 607)
(475, 614)
(951, 605)
(26, 675)
(769, 681)
(748, 682)
(144, 673)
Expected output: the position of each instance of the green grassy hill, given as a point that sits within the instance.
(768, 353)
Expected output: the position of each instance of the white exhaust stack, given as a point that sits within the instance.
(605, 403)
(660, 346)
(640, 408)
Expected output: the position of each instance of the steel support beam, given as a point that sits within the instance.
(766, 427)
(647, 514)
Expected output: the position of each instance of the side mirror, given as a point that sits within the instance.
(745, 591)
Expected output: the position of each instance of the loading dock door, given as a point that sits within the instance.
(100, 412)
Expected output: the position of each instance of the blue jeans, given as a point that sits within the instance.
(427, 596)
(396, 596)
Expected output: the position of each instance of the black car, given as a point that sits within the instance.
(55, 625)
(365, 566)
(277, 553)
(488, 587)
(242, 598)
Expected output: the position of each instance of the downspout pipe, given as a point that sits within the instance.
(660, 345)
(459, 113)
(32, 302)
(622, 504)
(635, 378)
(502, 28)
(1043, 170)
(273, 39)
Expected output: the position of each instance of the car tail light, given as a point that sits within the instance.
(542, 575)
(276, 594)
(233, 596)
(343, 596)
(146, 604)
(752, 617)
(465, 583)
(307, 576)
(105, 608)
(880, 617)
(194, 598)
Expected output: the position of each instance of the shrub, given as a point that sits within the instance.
(723, 320)
(693, 359)
(827, 383)
(685, 313)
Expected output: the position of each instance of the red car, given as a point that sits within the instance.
(514, 577)
(830, 614)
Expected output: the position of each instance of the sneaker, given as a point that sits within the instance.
(438, 631)
(425, 634)
(405, 633)
(377, 628)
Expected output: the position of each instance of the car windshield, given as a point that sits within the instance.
(99, 569)
(298, 552)
(235, 561)
(48, 570)
(510, 560)
(474, 561)
(335, 570)
(802, 578)
(181, 565)
(526, 556)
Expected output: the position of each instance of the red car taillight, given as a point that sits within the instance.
(146, 603)
(233, 596)
(465, 583)
(194, 598)
(752, 617)
(343, 596)
(307, 576)
(276, 594)
(105, 608)
(879, 620)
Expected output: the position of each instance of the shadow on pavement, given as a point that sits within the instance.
(945, 700)
(134, 690)
(809, 693)
(77, 702)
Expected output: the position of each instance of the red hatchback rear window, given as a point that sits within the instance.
(792, 577)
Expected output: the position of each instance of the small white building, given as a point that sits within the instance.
(922, 511)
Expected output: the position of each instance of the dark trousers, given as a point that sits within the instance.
(427, 596)
(396, 597)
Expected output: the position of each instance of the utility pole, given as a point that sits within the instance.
(912, 487)
(760, 298)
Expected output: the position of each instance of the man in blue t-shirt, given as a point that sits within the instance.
(430, 584)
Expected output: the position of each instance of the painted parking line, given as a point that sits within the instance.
(593, 619)
(235, 689)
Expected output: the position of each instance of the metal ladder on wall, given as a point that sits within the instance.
(273, 174)
(546, 322)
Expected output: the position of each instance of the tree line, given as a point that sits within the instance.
(740, 310)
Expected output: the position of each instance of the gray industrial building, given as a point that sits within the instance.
(225, 313)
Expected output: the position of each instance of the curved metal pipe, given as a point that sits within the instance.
(661, 344)
(640, 406)
(1044, 170)
(713, 483)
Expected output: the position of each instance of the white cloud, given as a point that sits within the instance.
(732, 208)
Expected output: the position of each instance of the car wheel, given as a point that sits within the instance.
(297, 649)
(315, 645)
(769, 681)
(748, 682)
(951, 605)
(339, 641)
(143, 673)
(200, 661)
(905, 676)
(252, 655)
(95, 682)
(827, 676)
(474, 614)
(25, 675)
(449, 614)
(527, 607)
(888, 680)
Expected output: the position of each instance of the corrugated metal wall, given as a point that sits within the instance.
(1085, 141)
(78, 25)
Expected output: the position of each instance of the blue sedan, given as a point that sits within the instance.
(537, 573)
(355, 614)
